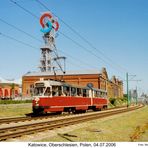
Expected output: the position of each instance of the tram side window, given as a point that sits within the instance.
(85, 93)
(102, 94)
(56, 90)
(73, 91)
(95, 94)
(66, 91)
(98, 93)
(79, 92)
(106, 94)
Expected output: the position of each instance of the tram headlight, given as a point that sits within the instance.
(36, 101)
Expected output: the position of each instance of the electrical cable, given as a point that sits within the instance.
(80, 36)
(63, 33)
(21, 42)
(29, 12)
(16, 28)
(20, 30)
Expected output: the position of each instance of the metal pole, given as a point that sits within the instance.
(127, 90)
(136, 96)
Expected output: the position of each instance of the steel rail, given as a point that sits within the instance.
(17, 131)
(30, 118)
(22, 119)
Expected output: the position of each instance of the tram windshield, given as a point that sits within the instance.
(47, 92)
(38, 91)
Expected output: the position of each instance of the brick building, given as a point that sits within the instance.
(99, 80)
(9, 89)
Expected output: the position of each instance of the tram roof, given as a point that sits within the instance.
(60, 83)
(96, 89)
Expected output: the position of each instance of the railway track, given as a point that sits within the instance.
(31, 118)
(23, 119)
(31, 128)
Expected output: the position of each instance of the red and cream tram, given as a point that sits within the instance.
(57, 96)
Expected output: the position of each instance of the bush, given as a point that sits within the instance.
(118, 102)
(113, 101)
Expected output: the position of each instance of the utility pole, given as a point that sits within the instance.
(127, 81)
(136, 96)
(127, 90)
(137, 92)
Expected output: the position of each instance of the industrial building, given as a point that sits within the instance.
(100, 80)
(51, 62)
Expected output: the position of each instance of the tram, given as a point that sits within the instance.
(58, 97)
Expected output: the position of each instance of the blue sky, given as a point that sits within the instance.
(118, 28)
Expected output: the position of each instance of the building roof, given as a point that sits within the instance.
(60, 73)
(7, 81)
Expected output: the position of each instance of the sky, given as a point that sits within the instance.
(117, 30)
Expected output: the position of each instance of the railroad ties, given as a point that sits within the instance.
(31, 128)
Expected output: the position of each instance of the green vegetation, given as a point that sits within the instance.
(11, 108)
(112, 101)
(14, 110)
(117, 102)
(127, 127)
(14, 101)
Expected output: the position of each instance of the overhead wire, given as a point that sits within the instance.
(14, 39)
(78, 44)
(33, 37)
(80, 36)
(76, 59)
(16, 3)
(20, 30)
(59, 32)
(89, 51)
(28, 45)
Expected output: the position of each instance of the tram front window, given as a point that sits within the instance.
(39, 91)
(47, 92)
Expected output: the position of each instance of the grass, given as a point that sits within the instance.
(126, 127)
(14, 101)
(119, 128)
(11, 110)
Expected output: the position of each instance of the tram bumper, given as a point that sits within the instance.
(38, 109)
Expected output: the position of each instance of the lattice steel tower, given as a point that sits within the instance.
(46, 60)
(50, 61)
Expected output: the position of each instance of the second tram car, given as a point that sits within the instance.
(57, 96)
